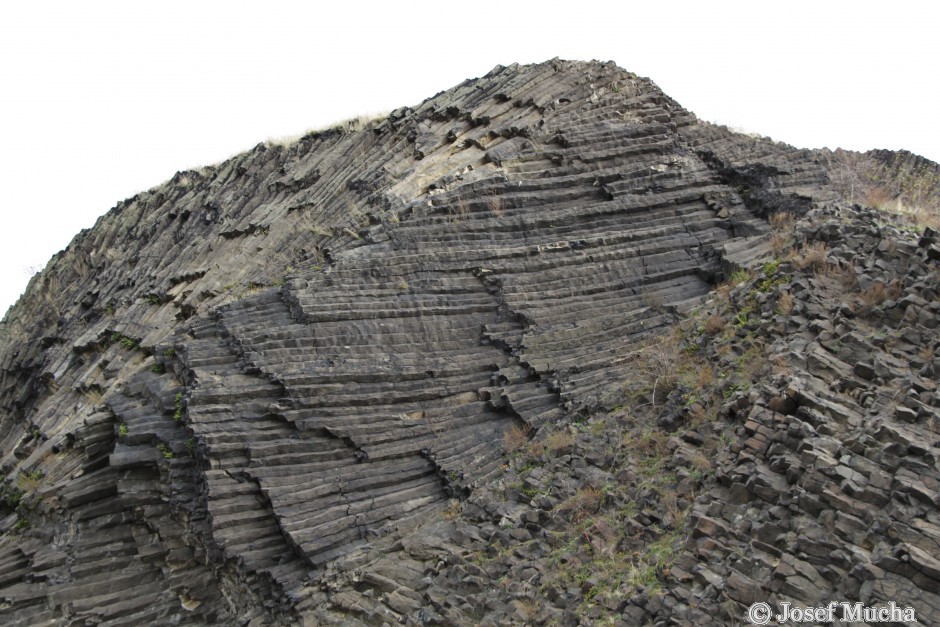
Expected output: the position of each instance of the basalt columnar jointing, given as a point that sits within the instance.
(239, 390)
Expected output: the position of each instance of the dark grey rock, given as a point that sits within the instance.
(310, 384)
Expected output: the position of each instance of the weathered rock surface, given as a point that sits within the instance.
(287, 388)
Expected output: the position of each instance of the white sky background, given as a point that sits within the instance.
(101, 100)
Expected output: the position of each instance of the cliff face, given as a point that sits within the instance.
(302, 384)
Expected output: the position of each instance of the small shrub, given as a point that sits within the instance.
(653, 300)
(785, 302)
(656, 366)
(10, 498)
(166, 451)
(126, 342)
(122, 430)
(739, 276)
(770, 268)
(178, 413)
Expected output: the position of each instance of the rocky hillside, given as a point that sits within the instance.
(544, 348)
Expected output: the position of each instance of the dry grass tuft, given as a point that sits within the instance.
(358, 123)
(453, 510)
(495, 204)
(586, 501)
(670, 503)
(461, 211)
(93, 394)
(810, 256)
(879, 293)
(782, 237)
(785, 301)
(844, 276)
(704, 377)
(783, 221)
(714, 324)
(779, 365)
(878, 197)
(650, 444)
(559, 441)
(724, 291)
(927, 353)
(779, 242)
(527, 609)
(515, 437)
(603, 537)
(700, 462)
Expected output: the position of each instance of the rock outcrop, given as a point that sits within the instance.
(416, 372)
